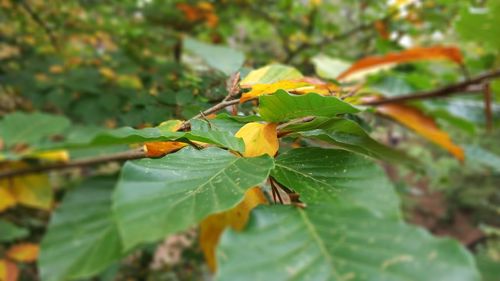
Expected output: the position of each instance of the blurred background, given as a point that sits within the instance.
(141, 62)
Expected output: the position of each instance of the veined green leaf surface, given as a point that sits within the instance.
(157, 197)
(337, 242)
(282, 106)
(348, 135)
(331, 175)
(82, 238)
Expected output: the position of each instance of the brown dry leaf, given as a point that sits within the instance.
(259, 139)
(422, 124)
(375, 63)
(212, 227)
(8, 271)
(24, 252)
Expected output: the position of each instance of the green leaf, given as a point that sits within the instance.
(82, 237)
(128, 135)
(329, 68)
(157, 197)
(282, 106)
(480, 25)
(489, 264)
(30, 128)
(478, 156)
(221, 58)
(10, 232)
(271, 74)
(333, 176)
(337, 242)
(348, 135)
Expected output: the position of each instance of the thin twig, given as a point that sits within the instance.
(441, 92)
(121, 156)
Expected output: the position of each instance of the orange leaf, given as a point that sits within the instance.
(8, 271)
(259, 139)
(410, 55)
(422, 124)
(25, 252)
(160, 148)
(203, 11)
(212, 227)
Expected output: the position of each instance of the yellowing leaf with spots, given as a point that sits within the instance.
(7, 200)
(259, 139)
(263, 89)
(270, 74)
(25, 252)
(212, 227)
(8, 271)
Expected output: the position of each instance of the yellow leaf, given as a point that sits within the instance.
(107, 72)
(25, 252)
(56, 69)
(422, 124)
(161, 148)
(259, 139)
(212, 227)
(8, 271)
(263, 89)
(270, 74)
(31, 190)
(52, 155)
(129, 81)
(376, 63)
(7, 200)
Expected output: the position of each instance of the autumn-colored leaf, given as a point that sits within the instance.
(303, 85)
(202, 11)
(30, 190)
(25, 252)
(375, 63)
(381, 28)
(161, 148)
(270, 74)
(263, 89)
(52, 156)
(212, 227)
(7, 200)
(8, 271)
(422, 124)
(259, 139)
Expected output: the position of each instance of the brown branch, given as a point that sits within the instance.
(441, 92)
(121, 156)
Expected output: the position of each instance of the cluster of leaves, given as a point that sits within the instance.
(300, 141)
